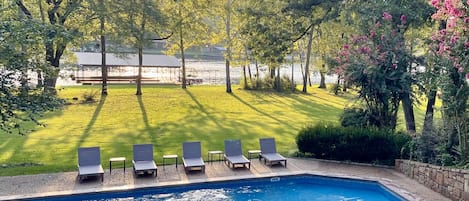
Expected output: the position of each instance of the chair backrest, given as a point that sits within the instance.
(191, 150)
(267, 145)
(233, 148)
(143, 152)
(89, 156)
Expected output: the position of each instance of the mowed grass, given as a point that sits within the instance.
(164, 116)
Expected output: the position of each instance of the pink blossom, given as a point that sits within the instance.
(403, 19)
(387, 16)
(466, 44)
(372, 33)
(453, 39)
(435, 3)
(378, 24)
(346, 46)
(451, 22)
(466, 20)
(365, 50)
(383, 37)
(442, 32)
(441, 48)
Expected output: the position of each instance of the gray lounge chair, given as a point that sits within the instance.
(234, 155)
(192, 157)
(143, 159)
(89, 163)
(269, 152)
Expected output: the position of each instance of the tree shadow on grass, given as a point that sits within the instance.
(259, 111)
(202, 109)
(148, 128)
(92, 121)
(309, 107)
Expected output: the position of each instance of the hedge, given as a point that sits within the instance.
(366, 145)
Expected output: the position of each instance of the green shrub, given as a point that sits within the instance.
(268, 83)
(364, 145)
(336, 89)
(355, 117)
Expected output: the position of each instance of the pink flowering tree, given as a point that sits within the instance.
(454, 39)
(451, 53)
(376, 63)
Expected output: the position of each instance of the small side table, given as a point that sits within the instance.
(175, 157)
(254, 152)
(116, 159)
(216, 152)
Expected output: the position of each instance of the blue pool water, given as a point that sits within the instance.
(288, 188)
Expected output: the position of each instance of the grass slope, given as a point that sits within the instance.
(165, 116)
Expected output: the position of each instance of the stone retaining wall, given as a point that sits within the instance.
(452, 183)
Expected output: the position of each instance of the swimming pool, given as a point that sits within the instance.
(285, 188)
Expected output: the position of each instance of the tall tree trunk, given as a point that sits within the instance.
(308, 58)
(228, 49)
(292, 73)
(228, 79)
(322, 83)
(40, 80)
(139, 77)
(183, 60)
(181, 46)
(279, 87)
(257, 75)
(301, 68)
(250, 74)
(103, 66)
(408, 113)
(103, 52)
(53, 57)
(140, 52)
(245, 77)
(344, 86)
(50, 78)
(428, 121)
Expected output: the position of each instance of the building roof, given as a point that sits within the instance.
(149, 60)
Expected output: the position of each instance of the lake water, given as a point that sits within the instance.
(210, 72)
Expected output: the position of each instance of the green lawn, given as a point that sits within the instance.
(165, 116)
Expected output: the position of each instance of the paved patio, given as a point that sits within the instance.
(18, 187)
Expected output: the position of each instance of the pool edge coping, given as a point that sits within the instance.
(387, 183)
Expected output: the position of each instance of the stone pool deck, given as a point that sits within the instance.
(18, 187)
